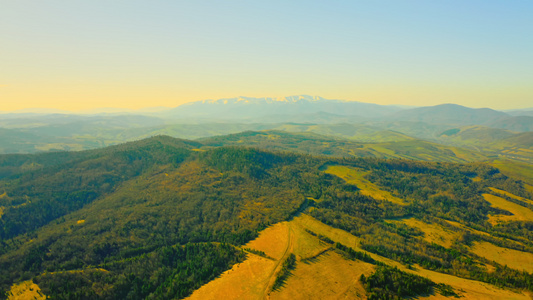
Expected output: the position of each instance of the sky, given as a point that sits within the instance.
(76, 55)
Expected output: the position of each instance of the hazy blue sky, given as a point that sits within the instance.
(85, 54)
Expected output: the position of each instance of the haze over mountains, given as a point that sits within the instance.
(248, 108)
(495, 132)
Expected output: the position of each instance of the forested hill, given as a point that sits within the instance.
(317, 144)
(160, 217)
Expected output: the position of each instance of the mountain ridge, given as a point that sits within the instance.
(250, 107)
(450, 114)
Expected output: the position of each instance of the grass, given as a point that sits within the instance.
(423, 150)
(3, 195)
(256, 272)
(512, 258)
(246, 280)
(307, 222)
(330, 276)
(321, 272)
(502, 192)
(305, 276)
(519, 212)
(272, 241)
(469, 289)
(516, 169)
(26, 290)
(459, 225)
(433, 233)
(356, 177)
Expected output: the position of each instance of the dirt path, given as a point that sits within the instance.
(275, 271)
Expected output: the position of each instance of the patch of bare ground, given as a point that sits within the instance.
(26, 290)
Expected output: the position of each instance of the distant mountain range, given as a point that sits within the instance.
(486, 130)
(450, 114)
(304, 108)
(250, 108)
(313, 109)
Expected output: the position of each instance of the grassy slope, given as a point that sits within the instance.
(356, 177)
(311, 143)
(504, 193)
(433, 233)
(519, 170)
(520, 213)
(514, 259)
(26, 290)
(324, 273)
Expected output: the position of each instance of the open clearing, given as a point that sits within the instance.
(356, 177)
(512, 258)
(433, 233)
(3, 195)
(459, 225)
(469, 289)
(519, 212)
(522, 171)
(329, 276)
(323, 273)
(337, 235)
(502, 192)
(273, 240)
(251, 278)
(26, 290)
(246, 280)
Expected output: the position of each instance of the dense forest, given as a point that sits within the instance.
(157, 218)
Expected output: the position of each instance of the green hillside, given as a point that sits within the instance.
(356, 132)
(491, 141)
(311, 143)
(158, 218)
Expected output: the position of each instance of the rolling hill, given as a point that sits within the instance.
(161, 217)
(310, 143)
(491, 141)
(518, 123)
(450, 114)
